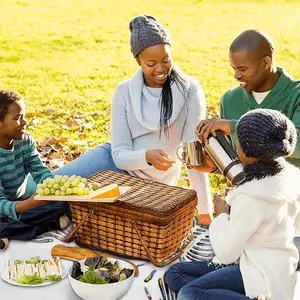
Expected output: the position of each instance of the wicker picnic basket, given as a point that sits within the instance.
(151, 221)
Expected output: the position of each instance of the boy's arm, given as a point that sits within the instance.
(37, 169)
(11, 208)
(7, 207)
(230, 234)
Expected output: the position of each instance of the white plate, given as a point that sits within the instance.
(75, 198)
(4, 276)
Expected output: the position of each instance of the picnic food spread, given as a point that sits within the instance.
(34, 270)
(76, 188)
(75, 185)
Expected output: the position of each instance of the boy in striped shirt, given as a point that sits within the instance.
(22, 217)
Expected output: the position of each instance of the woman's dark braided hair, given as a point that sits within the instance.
(166, 100)
(6, 99)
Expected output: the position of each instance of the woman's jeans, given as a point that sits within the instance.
(206, 280)
(91, 162)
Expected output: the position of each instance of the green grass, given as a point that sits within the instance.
(69, 55)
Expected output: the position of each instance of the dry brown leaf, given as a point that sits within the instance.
(83, 136)
(59, 140)
(33, 114)
(78, 115)
(71, 123)
(55, 163)
(50, 111)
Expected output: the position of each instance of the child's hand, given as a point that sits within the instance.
(220, 205)
(30, 203)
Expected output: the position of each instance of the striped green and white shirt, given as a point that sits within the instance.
(15, 165)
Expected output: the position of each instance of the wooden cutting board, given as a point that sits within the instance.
(87, 198)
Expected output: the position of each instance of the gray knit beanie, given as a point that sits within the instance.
(266, 133)
(146, 31)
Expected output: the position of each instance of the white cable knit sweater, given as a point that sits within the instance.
(259, 233)
(132, 134)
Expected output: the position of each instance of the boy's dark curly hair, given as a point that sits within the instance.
(7, 98)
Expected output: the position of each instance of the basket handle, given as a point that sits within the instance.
(172, 257)
(70, 236)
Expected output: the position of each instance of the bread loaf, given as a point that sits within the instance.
(72, 253)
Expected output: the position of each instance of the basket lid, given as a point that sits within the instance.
(145, 195)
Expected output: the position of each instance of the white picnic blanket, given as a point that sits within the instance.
(62, 290)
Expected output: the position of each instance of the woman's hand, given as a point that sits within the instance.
(159, 159)
(220, 205)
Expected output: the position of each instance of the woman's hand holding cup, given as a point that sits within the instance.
(159, 159)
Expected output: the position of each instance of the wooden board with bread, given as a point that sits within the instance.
(76, 253)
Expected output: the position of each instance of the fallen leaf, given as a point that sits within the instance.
(55, 163)
(83, 136)
(78, 115)
(71, 123)
(50, 111)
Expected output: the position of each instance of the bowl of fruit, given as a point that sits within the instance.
(103, 277)
(76, 188)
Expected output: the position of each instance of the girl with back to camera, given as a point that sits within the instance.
(259, 231)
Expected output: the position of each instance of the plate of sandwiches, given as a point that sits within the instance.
(33, 272)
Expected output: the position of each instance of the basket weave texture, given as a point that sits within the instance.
(163, 215)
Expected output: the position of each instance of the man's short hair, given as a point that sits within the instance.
(254, 40)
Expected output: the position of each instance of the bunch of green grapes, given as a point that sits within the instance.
(63, 186)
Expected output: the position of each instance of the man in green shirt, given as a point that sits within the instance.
(262, 85)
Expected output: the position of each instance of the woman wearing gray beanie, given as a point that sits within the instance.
(152, 114)
(257, 236)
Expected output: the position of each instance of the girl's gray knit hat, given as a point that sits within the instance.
(146, 31)
(266, 133)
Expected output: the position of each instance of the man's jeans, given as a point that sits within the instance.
(33, 222)
(206, 280)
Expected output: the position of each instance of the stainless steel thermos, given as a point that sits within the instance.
(226, 159)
